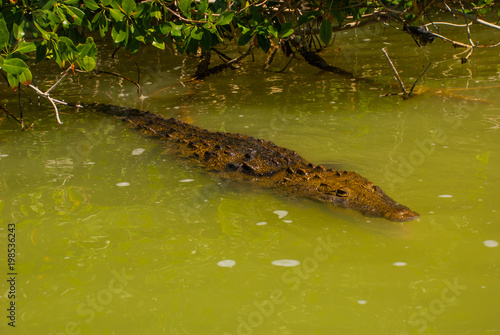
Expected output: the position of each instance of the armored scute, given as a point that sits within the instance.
(265, 164)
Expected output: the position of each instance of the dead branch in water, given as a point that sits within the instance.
(405, 93)
(396, 75)
(204, 70)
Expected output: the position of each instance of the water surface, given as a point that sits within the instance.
(116, 237)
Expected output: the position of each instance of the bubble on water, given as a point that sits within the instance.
(138, 151)
(123, 184)
(399, 264)
(281, 214)
(287, 221)
(227, 263)
(445, 196)
(491, 243)
(362, 302)
(263, 223)
(285, 262)
(186, 180)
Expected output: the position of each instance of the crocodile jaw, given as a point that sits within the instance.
(348, 189)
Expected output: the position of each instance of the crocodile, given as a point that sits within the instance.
(265, 164)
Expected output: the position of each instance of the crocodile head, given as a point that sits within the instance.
(349, 190)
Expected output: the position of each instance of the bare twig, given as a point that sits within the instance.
(447, 24)
(138, 76)
(9, 114)
(53, 101)
(396, 74)
(60, 79)
(466, 22)
(456, 44)
(474, 19)
(416, 81)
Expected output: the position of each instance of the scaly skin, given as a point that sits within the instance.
(263, 163)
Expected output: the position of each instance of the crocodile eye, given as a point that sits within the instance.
(341, 193)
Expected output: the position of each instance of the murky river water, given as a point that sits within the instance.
(115, 237)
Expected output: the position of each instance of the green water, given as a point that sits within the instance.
(115, 237)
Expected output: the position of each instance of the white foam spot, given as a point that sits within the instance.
(285, 262)
(123, 184)
(281, 214)
(287, 221)
(263, 223)
(227, 263)
(491, 243)
(186, 180)
(138, 151)
(362, 302)
(445, 196)
(399, 264)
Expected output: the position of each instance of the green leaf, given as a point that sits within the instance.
(14, 66)
(263, 42)
(129, 6)
(165, 28)
(191, 46)
(42, 31)
(158, 43)
(87, 63)
(176, 29)
(339, 15)
(13, 80)
(4, 34)
(26, 77)
(91, 4)
(116, 14)
(202, 6)
(225, 18)
(68, 43)
(197, 33)
(210, 27)
(156, 13)
(245, 38)
(306, 17)
(272, 31)
(325, 31)
(184, 6)
(18, 30)
(119, 32)
(286, 30)
(76, 14)
(25, 47)
(48, 4)
(132, 45)
(88, 48)
(41, 52)
(206, 40)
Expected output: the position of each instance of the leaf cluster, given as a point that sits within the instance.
(64, 30)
